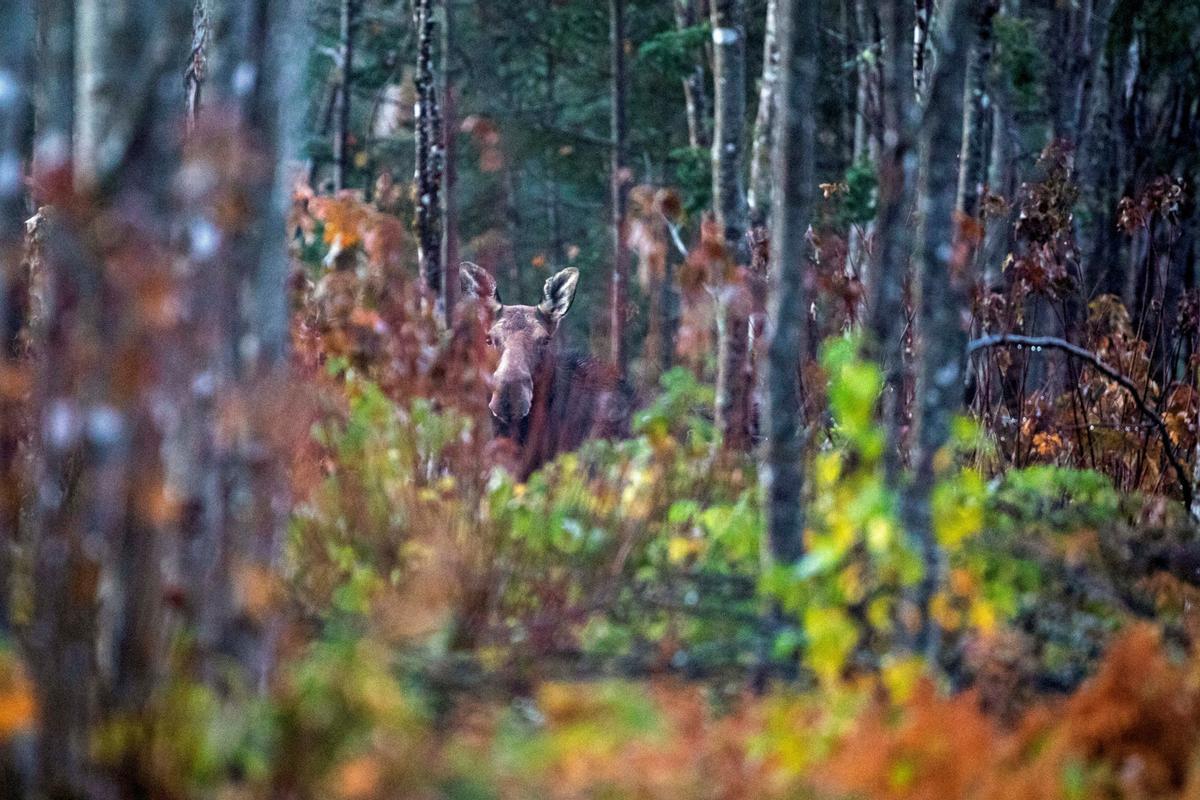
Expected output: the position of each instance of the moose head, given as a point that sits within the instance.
(522, 334)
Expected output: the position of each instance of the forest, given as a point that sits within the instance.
(599, 399)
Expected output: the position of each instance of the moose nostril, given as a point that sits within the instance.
(511, 402)
(499, 406)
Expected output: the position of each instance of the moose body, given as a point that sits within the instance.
(545, 400)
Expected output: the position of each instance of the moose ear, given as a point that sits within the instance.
(558, 294)
(475, 281)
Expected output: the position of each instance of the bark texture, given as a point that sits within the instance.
(729, 202)
(940, 294)
(429, 160)
(728, 154)
(54, 90)
(16, 56)
(695, 92)
(759, 195)
(893, 235)
(976, 134)
(347, 10)
(618, 180)
(96, 635)
(792, 207)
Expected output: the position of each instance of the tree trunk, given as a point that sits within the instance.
(449, 278)
(866, 112)
(99, 463)
(734, 306)
(940, 294)
(976, 134)
(15, 114)
(893, 237)
(117, 64)
(251, 488)
(55, 86)
(429, 161)
(922, 17)
(759, 197)
(729, 202)
(197, 68)
(867, 132)
(729, 196)
(792, 202)
(341, 101)
(617, 185)
(694, 91)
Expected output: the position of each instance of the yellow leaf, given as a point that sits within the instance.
(680, 548)
(983, 616)
(901, 675)
(832, 636)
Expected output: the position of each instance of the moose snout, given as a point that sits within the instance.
(511, 400)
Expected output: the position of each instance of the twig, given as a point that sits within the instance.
(676, 239)
(1014, 340)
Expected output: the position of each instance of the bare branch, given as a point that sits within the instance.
(1054, 343)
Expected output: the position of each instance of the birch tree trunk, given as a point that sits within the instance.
(695, 92)
(792, 208)
(976, 134)
(866, 116)
(729, 201)
(428, 157)
(866, 141)
(197, 69)
(729, 194)
(617, 184)
(449, 252)
(759, 196)
(940, 294)
(922, 19)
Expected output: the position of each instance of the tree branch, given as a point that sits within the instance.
(1054, 343)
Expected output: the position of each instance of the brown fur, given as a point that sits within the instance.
(545, 401)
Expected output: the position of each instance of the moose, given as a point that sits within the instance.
(545, 400)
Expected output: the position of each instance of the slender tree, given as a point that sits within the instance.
(922, 19)
(15, 115)
(759, 196)
(695, 93)
(893, 238)
(54, 86)
(976, 134)
(728, 151)
(618, 181)
(940, 294)
(429, 156)
(449, 250)
(729, 202)
(866, 138)
(197, 68)
(347, 11)
(792, 201)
